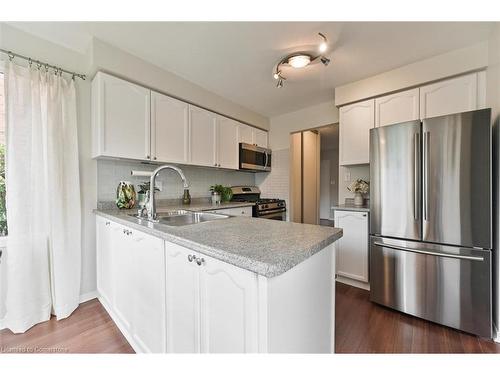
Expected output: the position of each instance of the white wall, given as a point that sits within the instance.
(493, 101)
(455, 62)
(306, 118)
(115, 61)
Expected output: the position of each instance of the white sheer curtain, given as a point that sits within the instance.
(43, 255)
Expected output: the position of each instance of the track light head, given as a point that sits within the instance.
(325, 60)
(323, 46)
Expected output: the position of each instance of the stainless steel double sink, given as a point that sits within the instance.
(177, 218)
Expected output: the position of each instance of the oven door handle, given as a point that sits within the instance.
(261, 213)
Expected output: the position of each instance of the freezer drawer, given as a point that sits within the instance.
(444, 284)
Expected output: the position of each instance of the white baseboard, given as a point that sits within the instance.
(352, 282)
(88, 296)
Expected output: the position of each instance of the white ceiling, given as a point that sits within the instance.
(236, 59)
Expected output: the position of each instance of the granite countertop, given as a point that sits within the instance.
(266, 247)
(351, 207)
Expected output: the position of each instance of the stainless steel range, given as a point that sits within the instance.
(266, 208)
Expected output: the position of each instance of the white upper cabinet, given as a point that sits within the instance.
(120, 119)
(246, 134)
(400, 107)
(169, 129)
(352, 248)
(203, 140)
(133, 122)
(253, 136)
(260, 138)
(450, 96)
(356, 120)
(227, 143)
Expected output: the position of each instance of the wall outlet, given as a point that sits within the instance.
(159, 185)
(347, 176)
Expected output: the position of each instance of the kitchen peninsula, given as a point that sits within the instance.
(236, 284)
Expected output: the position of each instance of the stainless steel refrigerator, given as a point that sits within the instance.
(431, 219)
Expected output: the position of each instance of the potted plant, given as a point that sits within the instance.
(359, 187)
(221, 193)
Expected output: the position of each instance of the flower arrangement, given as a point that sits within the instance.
(359, 186)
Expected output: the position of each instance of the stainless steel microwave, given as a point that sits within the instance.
(255, 158)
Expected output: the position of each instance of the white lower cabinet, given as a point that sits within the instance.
(166, 298)
(352, 248)
(103, 258)
(183, 302)
(229, 308)
(211, 305)
(131, 283)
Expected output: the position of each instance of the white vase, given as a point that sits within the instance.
(358, 199)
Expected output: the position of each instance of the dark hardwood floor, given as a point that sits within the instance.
(365, 327)
(88, 330)
(361, 327)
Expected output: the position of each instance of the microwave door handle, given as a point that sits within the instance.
(267, 159)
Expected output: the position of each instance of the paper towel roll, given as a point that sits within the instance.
(141, 173)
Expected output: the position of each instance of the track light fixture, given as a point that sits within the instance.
(299, 60)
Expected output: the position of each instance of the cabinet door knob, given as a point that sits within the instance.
(154, 158)
(148, 157)
(191, 257)
(107, 222)
(200, 261)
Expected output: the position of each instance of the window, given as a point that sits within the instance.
(3, 213)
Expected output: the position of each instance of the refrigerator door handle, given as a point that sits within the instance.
(427, 252)
(416, 174)
(426, 175)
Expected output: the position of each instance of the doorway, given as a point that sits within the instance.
(314, 175)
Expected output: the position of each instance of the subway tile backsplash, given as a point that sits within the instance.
(111, 172)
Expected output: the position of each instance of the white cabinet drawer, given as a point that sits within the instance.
(238, 211)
